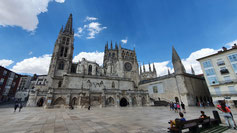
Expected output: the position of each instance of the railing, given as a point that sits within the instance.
(225, 82)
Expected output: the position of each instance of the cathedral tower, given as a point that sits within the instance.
(61, 60)
(177, 64)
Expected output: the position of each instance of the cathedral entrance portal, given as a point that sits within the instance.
(123, 102)
(40, 102)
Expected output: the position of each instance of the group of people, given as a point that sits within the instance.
(175, 106)
(182, 119)
(18, 105)
(223, 107)
(203, 104)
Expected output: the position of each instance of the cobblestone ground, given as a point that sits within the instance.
(97, 120)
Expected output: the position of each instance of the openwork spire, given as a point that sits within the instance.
(178, 66)
(68, 27)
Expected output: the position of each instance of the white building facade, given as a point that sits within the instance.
(220, 71)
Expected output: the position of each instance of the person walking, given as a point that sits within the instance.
(183, 107)
(227, 115)
(175, 108)
(178, 107)
(15, 106)
(20, 106)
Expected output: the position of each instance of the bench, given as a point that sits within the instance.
(193, 125)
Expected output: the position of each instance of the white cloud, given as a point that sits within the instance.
(230, 44)
(22, 13)
(38, 65)
(60, 1)
(124, 41)
(91, 56)
(90, 19)
(90, 29)
(5, 63)
(30, 53)
(192, 59)
(93, 29)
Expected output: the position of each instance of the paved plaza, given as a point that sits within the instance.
(97, 120)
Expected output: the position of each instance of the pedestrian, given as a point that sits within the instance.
(89, 107)
(226, 113)
(178, 107)
(20, 107)
(183, 107)
(170, 106)
(15, 106)
(175, 108)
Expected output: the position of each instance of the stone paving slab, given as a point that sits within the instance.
(97, 120)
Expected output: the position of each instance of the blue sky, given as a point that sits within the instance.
(29, 29)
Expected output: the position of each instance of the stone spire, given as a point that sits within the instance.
(116, 45)
(68, 27)
(177, 64)
(106, 46)
(140, 69)
(149, 67)
(61, 30)
(144, 70)
(154, 68)
(193, 72)
(111, 45)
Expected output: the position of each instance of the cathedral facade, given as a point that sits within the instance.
(85, 83)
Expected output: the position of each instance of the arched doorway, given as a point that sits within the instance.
(59, 101)
(110, 101)
(40, 102)
(143, 101)
(74, 101)
(123, 102)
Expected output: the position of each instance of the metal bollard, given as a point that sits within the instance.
(216, 116)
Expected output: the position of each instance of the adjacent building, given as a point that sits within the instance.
(8, 84)
(23, 88)
(220, 71)
(179, 86)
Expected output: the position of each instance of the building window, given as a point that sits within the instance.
(217, 90)
(61, 66)
(210, 72)
(4, 73)
(59, 83)
(234, 65)
(232, 90)
(113, 85)
(232, 57)
(61, 52)
(90, 70)
(65, 53)
(155, 89)
(227, 79)
(212, 80)
(223, 70)
(220, 62)
(64, 39)
(1, 81)
(207, 64)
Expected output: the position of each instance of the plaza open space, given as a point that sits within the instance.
(96, 120)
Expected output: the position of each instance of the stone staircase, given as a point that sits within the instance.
(217, 129)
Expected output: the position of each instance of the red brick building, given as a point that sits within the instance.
(8, 84)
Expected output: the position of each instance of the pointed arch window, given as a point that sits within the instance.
(113, 84)
(60, 84)
(61, 51)
(65, 53)
(61, 66)
(90, 70)
(64, 39)
(67, 42)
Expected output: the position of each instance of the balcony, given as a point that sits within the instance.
(233, 81)
(224, 71)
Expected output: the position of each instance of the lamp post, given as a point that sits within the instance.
(178, 91)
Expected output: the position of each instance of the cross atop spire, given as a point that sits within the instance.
(68, 27)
